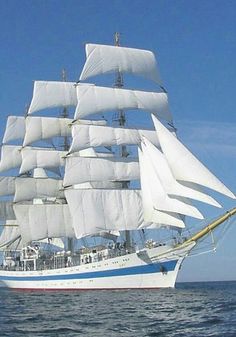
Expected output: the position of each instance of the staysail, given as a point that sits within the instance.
(184, 165)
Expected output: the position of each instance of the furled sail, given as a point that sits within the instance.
(10, 157)
(171, 186)
(81, 169)
(41, 128)
(184, 165)
(84, 136)
(112, 99)
(15, 129)
(49, 159)
(102, 59)
(52, 94)
(30, 188)
(37, 222)
(151, 186)
(7, 186)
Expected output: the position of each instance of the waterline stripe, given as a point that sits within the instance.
(144, 269)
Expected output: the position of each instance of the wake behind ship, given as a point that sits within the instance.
(88, 197)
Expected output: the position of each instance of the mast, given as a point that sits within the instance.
(65, 114)
(120, 118)
(66, 147)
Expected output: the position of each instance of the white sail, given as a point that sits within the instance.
(10, 157)
(15, 129)
(151, 186)
(50, 94)
(41, 128)
(102, 59)
(7, 186)
(10, 233)
(98, 184)
(171, 186)
(107, 210)
(110, 235)
(81, 169)
(43, 221)
(112, 210)
(150, 214)
(113, 99)
(89, 152)
(39, 173)
(184, 165)
(6, 211)
(84, 136)
(49, 159)
(30, 188)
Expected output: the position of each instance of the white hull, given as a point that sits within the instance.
(150, 268)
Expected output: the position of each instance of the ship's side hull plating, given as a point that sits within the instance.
(131, 271)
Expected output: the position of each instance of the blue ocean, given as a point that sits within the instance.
(191, 309)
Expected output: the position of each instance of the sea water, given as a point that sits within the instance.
(192, 309)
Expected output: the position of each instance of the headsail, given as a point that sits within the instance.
(157, 196)
(168, 181)
(184, 165)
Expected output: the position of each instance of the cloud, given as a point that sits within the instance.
(212, 137)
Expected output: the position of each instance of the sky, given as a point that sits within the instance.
(195, 45)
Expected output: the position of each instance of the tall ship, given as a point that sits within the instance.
(91, 202)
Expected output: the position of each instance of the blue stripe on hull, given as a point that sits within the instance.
(144, 269)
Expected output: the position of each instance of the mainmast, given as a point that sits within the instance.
(66, 146)
(120, 118)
